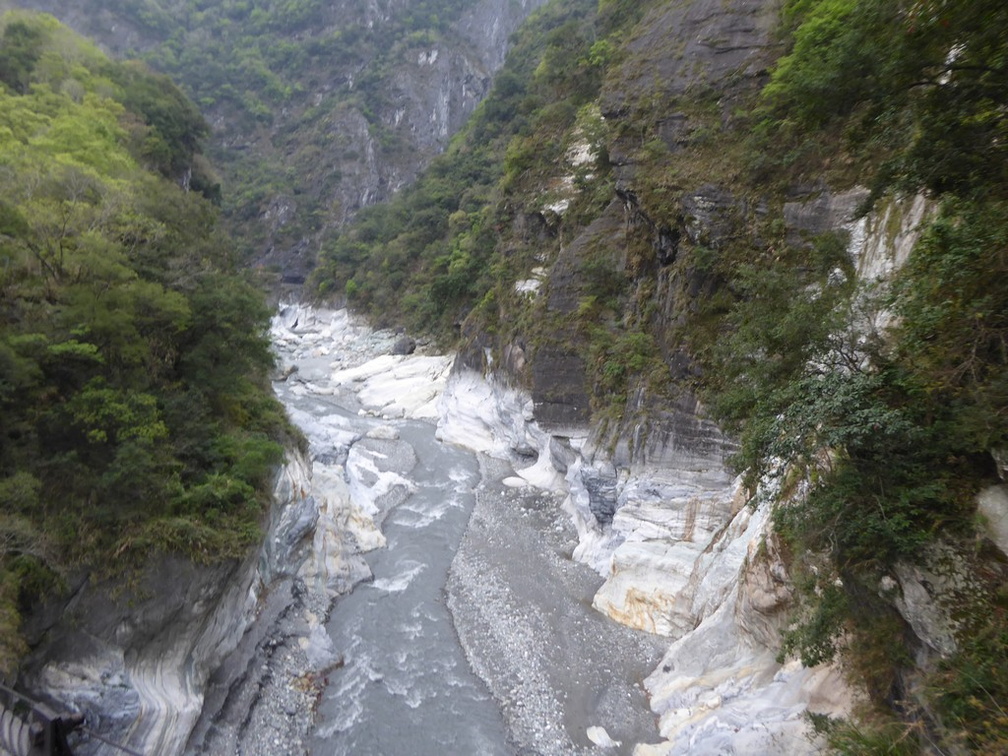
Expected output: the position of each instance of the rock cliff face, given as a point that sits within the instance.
(684, 552)
(429, 93)
(346, 134)
(135, 658)
(701, 48)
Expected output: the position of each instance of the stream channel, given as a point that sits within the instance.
(514, 607)
(405, 678)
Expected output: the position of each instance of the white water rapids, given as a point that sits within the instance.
(537, 670)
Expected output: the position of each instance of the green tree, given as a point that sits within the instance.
(20, 50)
(135, 414)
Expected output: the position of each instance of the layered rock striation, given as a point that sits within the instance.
(134, 658)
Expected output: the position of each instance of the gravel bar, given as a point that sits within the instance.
(522, 609)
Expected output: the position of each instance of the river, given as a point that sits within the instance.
(472, 573)
(405, 678)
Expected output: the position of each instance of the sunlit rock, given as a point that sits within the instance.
(992, 506)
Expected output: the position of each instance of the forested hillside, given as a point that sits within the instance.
(646, 226)
(135, 416)
(318, 108)
(427, 257)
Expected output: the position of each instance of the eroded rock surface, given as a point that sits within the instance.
(135, 659)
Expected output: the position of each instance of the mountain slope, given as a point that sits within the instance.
(134, 408)
(317, 108)
(662, 211)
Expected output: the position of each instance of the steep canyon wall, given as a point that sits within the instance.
(365, 96)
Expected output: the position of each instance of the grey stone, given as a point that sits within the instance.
(931, 590)
(601, 486)
(1001, 460)
(285, 373)
(562, 456)
(598, 251)
(404, 345)
(683, 46)
(559, 390)
(823, 213)
(992, 506)
(710, 215)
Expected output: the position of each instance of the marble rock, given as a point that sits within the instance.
(992, 506)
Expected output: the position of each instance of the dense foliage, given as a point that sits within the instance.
(920, 84)
(892, 431)
(134, 414)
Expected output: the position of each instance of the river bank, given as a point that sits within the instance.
(569, 681)
(389, 664)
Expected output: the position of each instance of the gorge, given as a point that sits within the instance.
(644, 366)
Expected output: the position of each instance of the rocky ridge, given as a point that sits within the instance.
(332, 154)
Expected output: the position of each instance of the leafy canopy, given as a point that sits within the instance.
(134, 411)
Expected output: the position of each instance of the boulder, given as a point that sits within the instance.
(992, 506)
(404, 345)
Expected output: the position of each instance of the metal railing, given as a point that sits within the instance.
(29, 728)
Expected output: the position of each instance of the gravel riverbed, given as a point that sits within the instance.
(522, 609)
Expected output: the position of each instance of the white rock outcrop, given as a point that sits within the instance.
(135, 661)
(992, 506)
(683, 556)
(487, 415)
